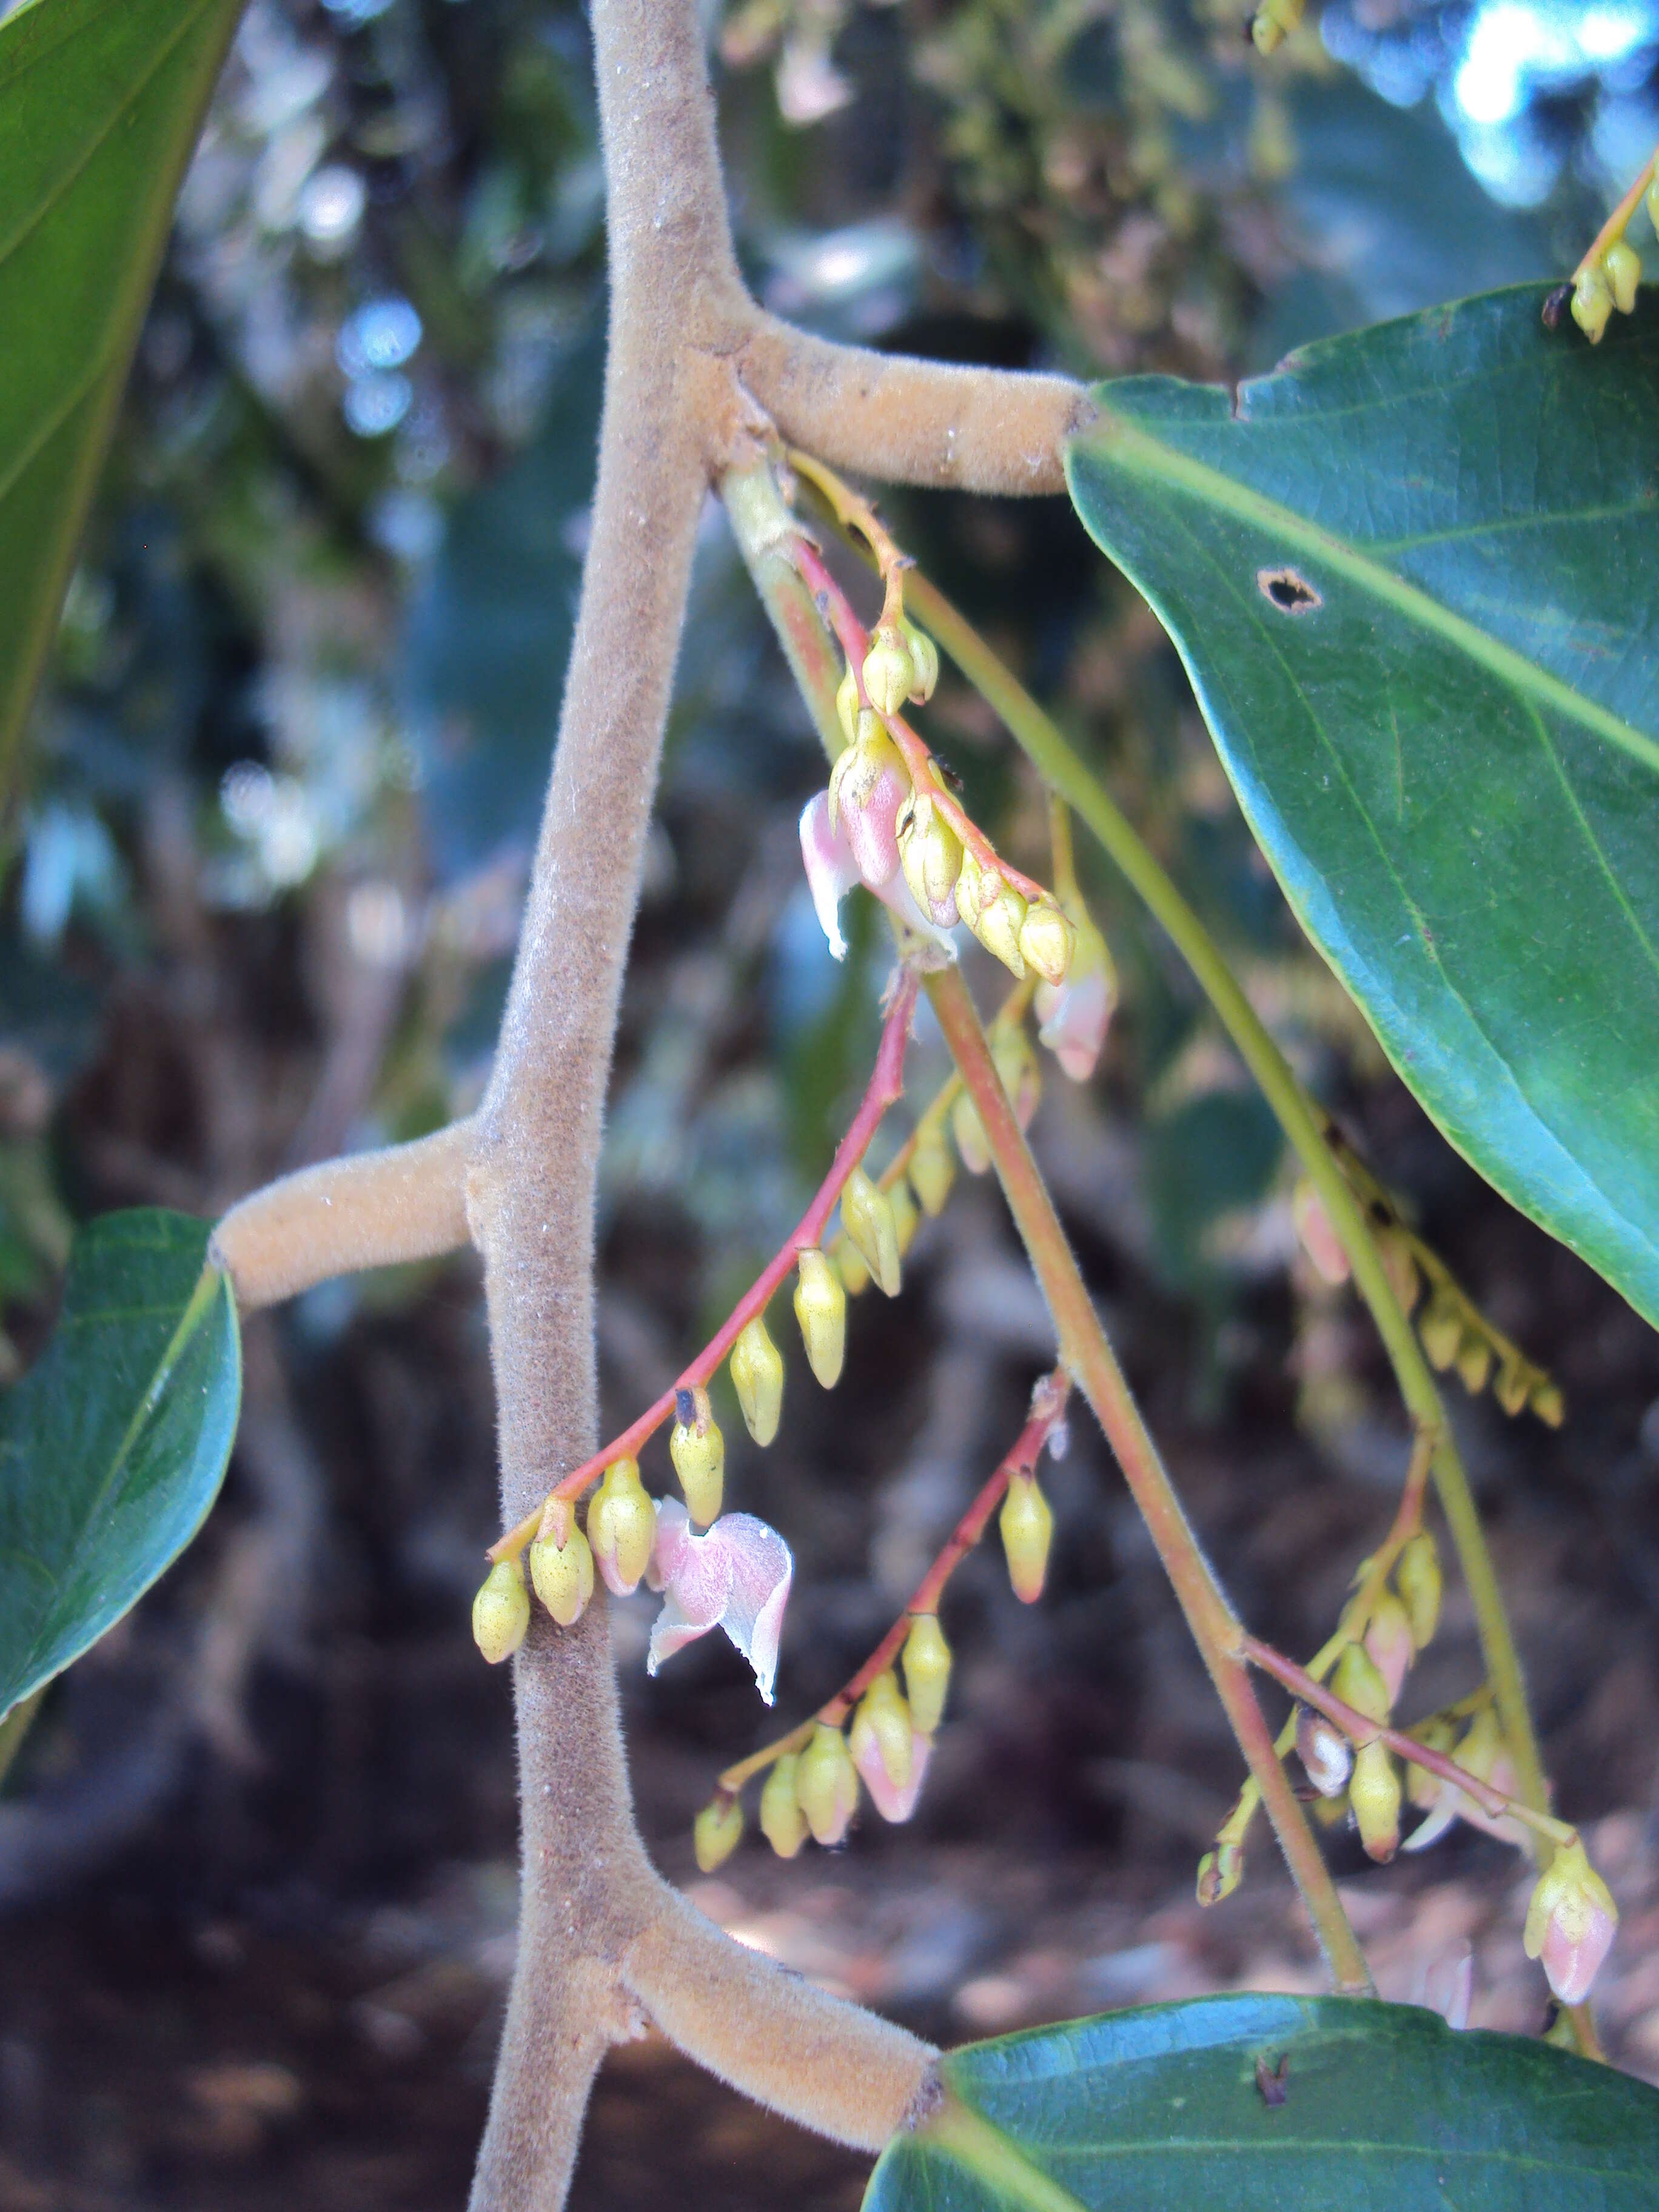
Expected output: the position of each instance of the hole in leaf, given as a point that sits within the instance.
(1290, 593)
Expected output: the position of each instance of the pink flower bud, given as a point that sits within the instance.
(1075, 1015)
(868, 785)
(1570, 1922)
(1319, 1238)
(894, 1801)
(736, 1577)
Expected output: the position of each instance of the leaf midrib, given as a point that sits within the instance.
(1119, 443)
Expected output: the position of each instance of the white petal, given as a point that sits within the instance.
(831, 870)
(762, 1570)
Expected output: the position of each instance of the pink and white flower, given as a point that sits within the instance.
(736, 1576)
(832, 870)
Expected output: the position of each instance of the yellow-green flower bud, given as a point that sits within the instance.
(757, 1378)
(501, 1612)
(1026, 1524)
(1622, 266)
(906, 1219)
(698, 1451)
(1548, 1403)
(933, 1170)
(926, 1671)
(1440, 1327)
(1474, 1364)
(1417, 1578)
(997, 925)
(1374, 1793)
(1358, 1680)
(717, 1831)
(1592, 303)
(930, 853)
(969, 1132)
(1046, 939)
(821, 1309)
(827, 1784)
(885, 1718)
(888, 672)
(782, 1822)
(849, 1264)
(973, 887)
(1423, 1788)
(866, 1214)
(924, 662)
(1510, 1386)
(563, 1574)
(622, 1526)
(1219, 1873)
(847, 704)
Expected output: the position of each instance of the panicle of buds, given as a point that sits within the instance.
(1570, 1922)
(622, 1526)
(1417, 1578)
(821, 1310)
(758, 1377)
(926, 1671)
(501, 1612)
(782, 1822)
(716, 1831)
(827, 1784)
(562, 1566)
(933, 1171)
(698, 1451)
(1027, 1524)
(1324, 1751)
(866, 1214)
(1374, 1793)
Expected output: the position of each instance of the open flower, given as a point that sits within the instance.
(1484, 1754)
(735, 1576)
(832, 870)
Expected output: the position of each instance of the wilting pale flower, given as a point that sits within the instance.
(736, 1577)
(1074, 1015)
(1570, 1923)
(894, 1802)
(832, 870)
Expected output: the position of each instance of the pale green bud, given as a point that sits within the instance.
(888, 672)
(930, 853)
(847, 704)
(933, 1171)
(1374, 1793)
(884, 1719)
(698, 1451)
(757, 1378)
(997, 925)
(1423, 1788)
(926, 1671)
(1511, 1388)
(1219, 1873)
(1623, 267)
(1358, 1680)
(866, 1214)
(1417, 1578)
(1027, 1524)
(973, 886)
(782, 1822)
(563, 1574)
(1440, 1327)
(906, 1219)
(1474, 1364)
(969, 1132)
(501, 1612)
(716, 1831)
(622, 1526)
(1046, 939)
(821, 1309)
(849, 1263)
(1592, 303)
(1548, 1403)
(924, 662)
(827, 1784)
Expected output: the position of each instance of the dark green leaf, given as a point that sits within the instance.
(1177, 2108)
(113, 1445)
(1415, 577)
(102, 100)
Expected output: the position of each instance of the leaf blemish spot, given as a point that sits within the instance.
(1290, 593)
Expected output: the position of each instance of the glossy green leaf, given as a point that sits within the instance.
(101, 101)
(1274, 2104)
(1415, 577)
(113, 1445)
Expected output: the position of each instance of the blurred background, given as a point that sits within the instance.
(261, 882)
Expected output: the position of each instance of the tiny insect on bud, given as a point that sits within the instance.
(997, 925)
(866, 1214)
(889, 671)
(1417, 1578)
(1021, 1074)
(827, 1784)
(883, 1722)
(1622, 266)
(933, 1171)
(924, 662)
(847, 704)
(821, 1309)
(1046, 941)
(1570, 1922)
(1374, 1793)
(1027, 1525)
(1389, 1644)
(1324, 1751)
(1440, 1327)
(1474, 1364)
(1357, 1681)
(716, 1831)
(501, 1612)
(926, 1671)
(905, 1218)
(782, 1822)
(849, 1265)
(1219, 1873)
(930, 852)
(563, 1574)
(757, 1367)
(969, 1132)
(622, 1526)
(1592, 303)
(698, 1451)
(1318, 1238)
